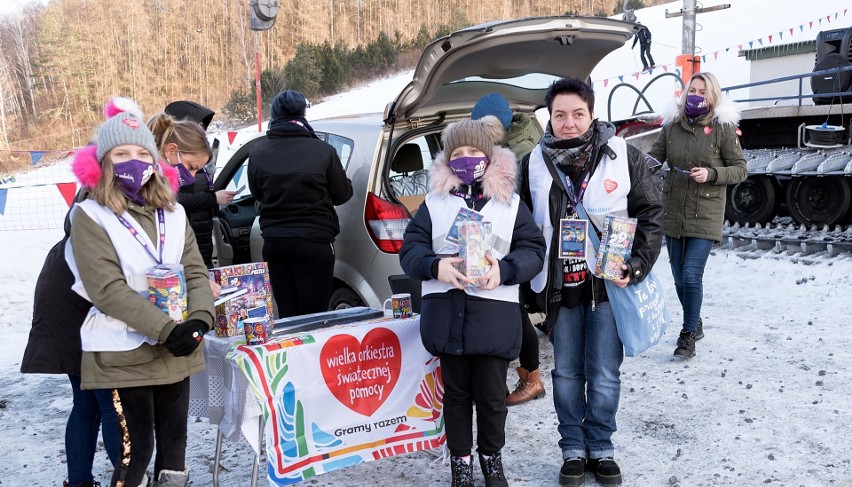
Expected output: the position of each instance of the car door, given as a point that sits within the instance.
(232, 228)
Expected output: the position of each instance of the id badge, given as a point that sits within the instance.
(572, 238)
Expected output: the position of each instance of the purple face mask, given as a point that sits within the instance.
(184, 176)
(469, 169)
(696, 106)
(131, 176)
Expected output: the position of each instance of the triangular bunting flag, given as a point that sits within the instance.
(819, 21)
(68, 190)
(666, 68)
(231, 136)
(703, 58)
(35, 156)
(621, 79)
(780, 35)
(770, 38)
(791, 31)
(238, 174)
(835, 15)
(651, 71)
(716, 55)
(750, 44)
(740, 47)
(828, 18)
(636, 74)
(760, 41)
(811, 24)
(606, 82)
(3, 200)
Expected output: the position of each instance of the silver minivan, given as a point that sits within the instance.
(387, 156)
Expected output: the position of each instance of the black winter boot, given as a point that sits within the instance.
(492, 470)
(685, 345)
(462, 471)
(699, 330)
(573, 472)
(605, 469)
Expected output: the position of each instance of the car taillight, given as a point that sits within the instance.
(387, 222)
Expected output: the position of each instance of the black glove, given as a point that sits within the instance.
(186, 337)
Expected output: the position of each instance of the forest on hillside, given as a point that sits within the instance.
(61, 61)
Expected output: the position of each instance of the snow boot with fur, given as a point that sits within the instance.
(529, 387)
(172, 478)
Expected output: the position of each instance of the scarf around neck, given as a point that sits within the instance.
(576, 156)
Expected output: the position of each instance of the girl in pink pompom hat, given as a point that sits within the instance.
(129, 224)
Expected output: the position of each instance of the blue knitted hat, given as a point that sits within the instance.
(493, 104)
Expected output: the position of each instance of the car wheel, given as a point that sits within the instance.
(343, 298)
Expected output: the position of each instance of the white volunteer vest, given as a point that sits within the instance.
(443, 210)
(606, 194)
(101, 332)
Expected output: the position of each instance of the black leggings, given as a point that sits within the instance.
(529, 344)
(301, 273)
(151, 416)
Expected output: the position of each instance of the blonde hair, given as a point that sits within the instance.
(157, 191)
(712, 95)
(186, 134)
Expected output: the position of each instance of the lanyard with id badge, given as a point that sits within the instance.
(573, 230)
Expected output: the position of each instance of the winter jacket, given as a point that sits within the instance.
(643, 203)
(297, 180)
(53, 346)
(693, 209)
(523, 135)
(455, 322)
(103, 279)
(199, 202)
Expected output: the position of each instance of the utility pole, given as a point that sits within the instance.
(688, 62)
(262, 15)
(689, 12)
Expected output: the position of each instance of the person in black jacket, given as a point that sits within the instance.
(183, 144)
(580, 160)
(54, 348)
(643, 37)
(297, 180)
(473, 325)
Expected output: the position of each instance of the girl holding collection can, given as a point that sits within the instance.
(474, 329)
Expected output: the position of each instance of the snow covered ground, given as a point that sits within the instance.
(765, 401)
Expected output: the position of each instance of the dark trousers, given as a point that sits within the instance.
(479, 380)
(151, 416)
(91, 409)
(529, 344)
(301, 273)
(645, 50)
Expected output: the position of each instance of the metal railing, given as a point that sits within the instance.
(800, 78)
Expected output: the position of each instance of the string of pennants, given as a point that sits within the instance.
(36, 155)
(67, 190)
(760, 42)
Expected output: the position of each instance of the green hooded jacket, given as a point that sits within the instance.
(693, 209)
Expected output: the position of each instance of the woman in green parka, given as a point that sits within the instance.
(700, 141)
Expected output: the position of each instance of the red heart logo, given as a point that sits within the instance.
(610, 185)
(361, 375)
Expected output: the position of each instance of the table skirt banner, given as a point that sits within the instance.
(346, 395)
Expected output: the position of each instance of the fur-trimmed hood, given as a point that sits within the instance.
(725, 113)
(498, 183)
